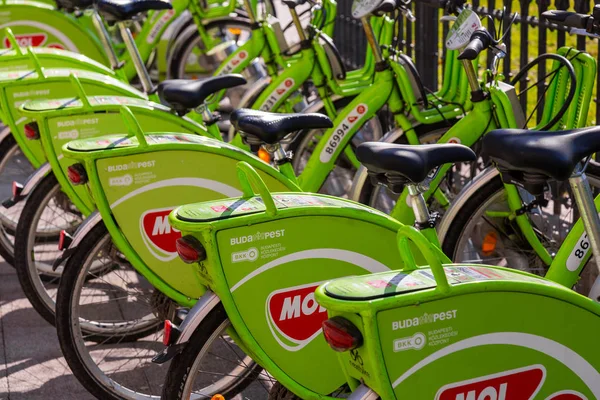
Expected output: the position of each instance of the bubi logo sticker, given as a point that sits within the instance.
(28, 39)
(294, 316)
(159, 236)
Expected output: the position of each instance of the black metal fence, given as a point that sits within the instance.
(530, 36)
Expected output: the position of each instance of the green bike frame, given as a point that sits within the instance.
(584, 66)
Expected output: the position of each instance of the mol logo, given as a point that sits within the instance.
(28, 39)
(294, 316)
(159, 236)
(517, 384)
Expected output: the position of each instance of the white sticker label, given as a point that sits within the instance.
(277, 94)
(247, 255)
(342, 130)
(464, 26)
(234, 62)
(124, 180)
(415, 342)
(579, 253)
(72, 134)
(162, 21)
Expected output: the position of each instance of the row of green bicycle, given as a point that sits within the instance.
(125, 269)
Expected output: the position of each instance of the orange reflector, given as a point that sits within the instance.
(489, 243)
(264, 155)
(217, 397)
(235, 31)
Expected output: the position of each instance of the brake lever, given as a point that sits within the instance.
(583, 32)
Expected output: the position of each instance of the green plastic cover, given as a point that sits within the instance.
(45, 105)
(368, 287)
(222, 209)
(119, 141)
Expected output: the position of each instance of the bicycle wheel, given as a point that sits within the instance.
(190, 60)
(212, 364)
(14, 166)
(47, 211)
(480, 234)
(109, 322)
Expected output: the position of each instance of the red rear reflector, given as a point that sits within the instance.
(76, 174)
(190, 250)
(167, 332)
(32, 131)
(341, 334)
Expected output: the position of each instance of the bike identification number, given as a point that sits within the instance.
(341, 131)
(277, 94)
(579, 253)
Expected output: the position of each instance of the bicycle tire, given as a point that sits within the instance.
(180, 47)
(183, 363)
(7, 147)
(66, 328)
(464, 216)
(30, 279)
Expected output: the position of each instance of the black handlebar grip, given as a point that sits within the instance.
(480, 40)
(567, 18)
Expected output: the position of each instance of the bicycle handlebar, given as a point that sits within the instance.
(568, 18)
(480, 41)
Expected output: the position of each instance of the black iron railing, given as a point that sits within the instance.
(530, 36)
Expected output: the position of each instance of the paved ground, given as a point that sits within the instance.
(31, 364)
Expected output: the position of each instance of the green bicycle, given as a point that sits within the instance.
(473, 330)
(486, 223)
(261, 257)
(70, 34)
(43, 83)
(36, 254)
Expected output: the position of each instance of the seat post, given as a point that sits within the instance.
(585, 201)
(106, 41)
(418, 204)
(140, 67)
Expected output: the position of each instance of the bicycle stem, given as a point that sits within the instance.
(298, 24)
(372, 40)
(250, 12)
(471, 75)
(140, 67)
(585, 201)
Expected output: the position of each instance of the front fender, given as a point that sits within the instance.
(480, 180)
